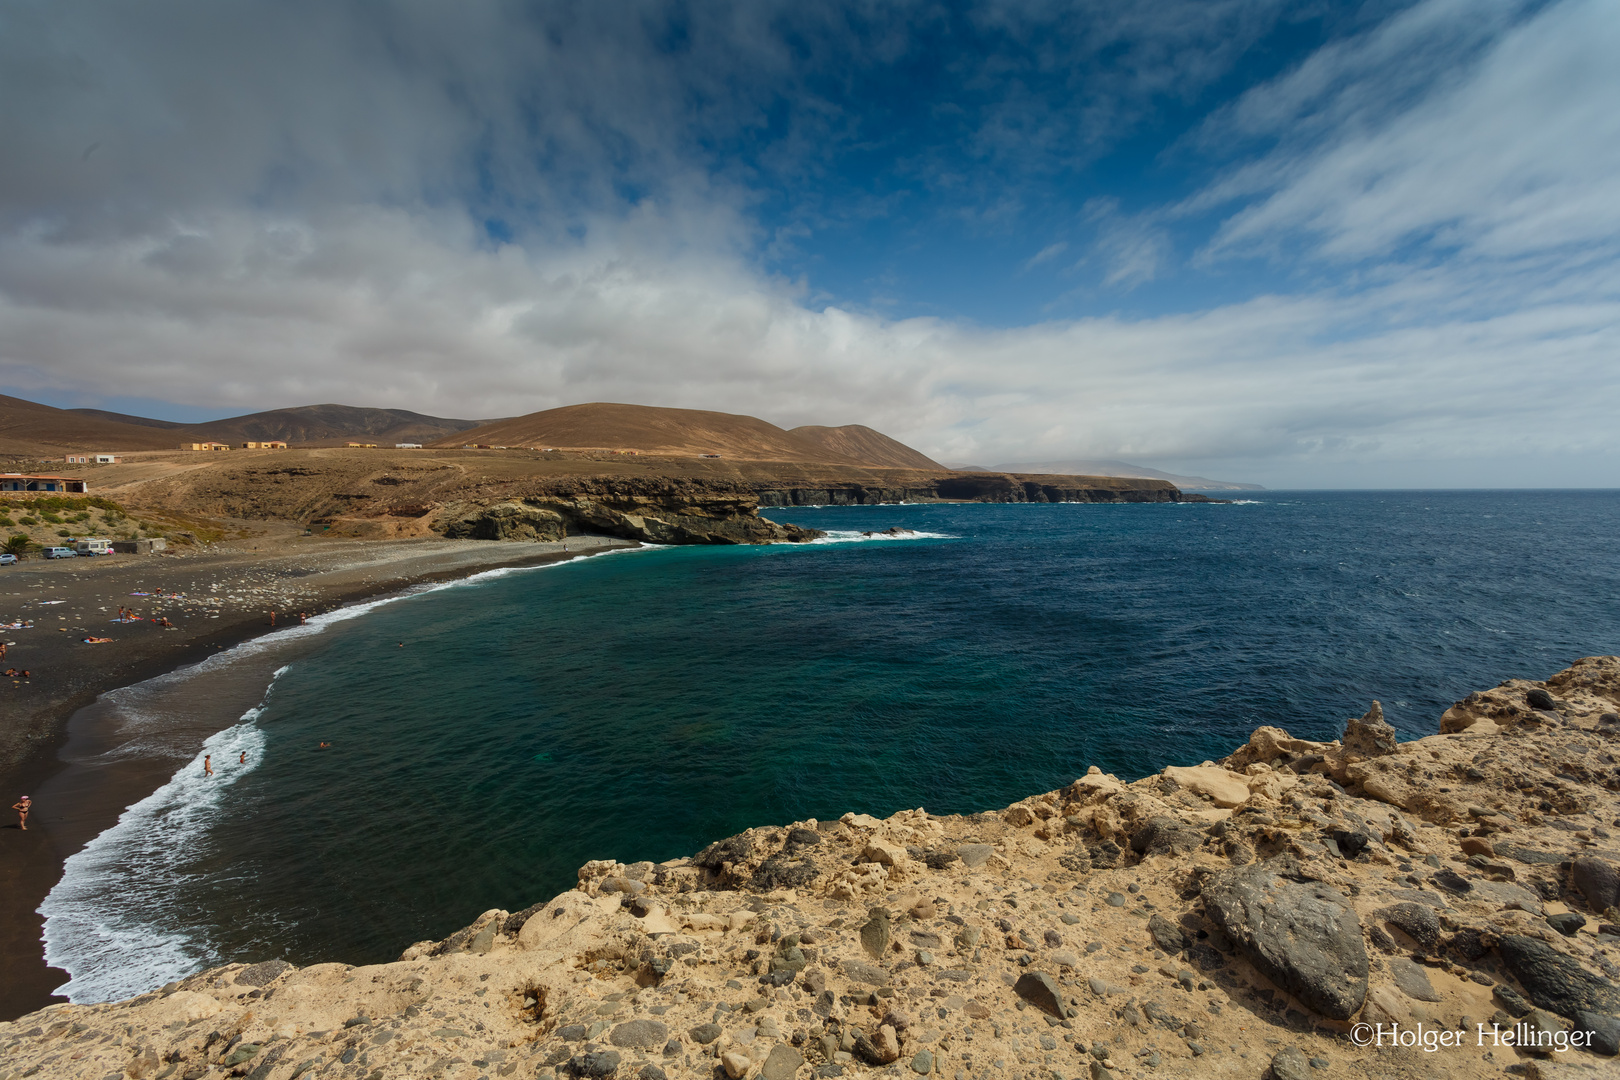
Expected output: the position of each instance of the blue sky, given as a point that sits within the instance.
(1306, 244)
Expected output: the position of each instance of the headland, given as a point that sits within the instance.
(1278, 912)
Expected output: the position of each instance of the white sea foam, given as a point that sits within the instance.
(856, 536)
(99, 924)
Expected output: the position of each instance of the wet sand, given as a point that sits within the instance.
(54, 735)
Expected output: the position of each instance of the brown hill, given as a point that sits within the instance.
(28, 428)
(126, 418)
(313, 424)
(869, 447)
(677, 432)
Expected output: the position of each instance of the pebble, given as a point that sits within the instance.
(1116, 899)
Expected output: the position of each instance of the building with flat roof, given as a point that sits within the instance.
(60, 485)
(205, 446)
(271, 444)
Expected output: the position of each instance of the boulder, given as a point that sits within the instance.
(1303, 935)
(639, 1033)
(1290, 1063)
(1041, 991)
(1557, 982)
(1420, 922)
(1165, 835)
(1595, 879)
(1166, 934)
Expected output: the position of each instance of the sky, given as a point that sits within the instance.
(1300, 244)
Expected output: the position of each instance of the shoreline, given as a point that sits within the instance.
(1284, 906)
(42, 753)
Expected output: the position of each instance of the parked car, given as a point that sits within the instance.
(7, 558)
(59, 553)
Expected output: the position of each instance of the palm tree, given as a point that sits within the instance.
(17, 545)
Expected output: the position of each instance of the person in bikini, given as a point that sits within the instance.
(208, 764)
(22, 806)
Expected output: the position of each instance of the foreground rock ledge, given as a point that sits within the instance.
(1226, 919)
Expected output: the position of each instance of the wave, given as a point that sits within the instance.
(856, 536)
(99, 918)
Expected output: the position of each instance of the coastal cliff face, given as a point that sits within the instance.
(982, 487)
(656, 520)
(1218, 919)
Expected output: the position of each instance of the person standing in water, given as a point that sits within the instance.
(208, 764)
(22, 806)
(243, 759)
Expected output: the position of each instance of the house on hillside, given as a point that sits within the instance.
(272, 444)
(205, 446)
(362, 445)
(77, 459)
(407, 446)
(106, 459)
(58, 484)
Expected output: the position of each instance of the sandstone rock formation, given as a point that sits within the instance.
(1220, 920)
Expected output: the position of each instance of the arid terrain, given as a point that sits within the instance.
(1265, 915)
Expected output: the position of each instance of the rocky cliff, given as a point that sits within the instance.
(1265, 915)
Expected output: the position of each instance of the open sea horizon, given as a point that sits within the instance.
(482, 740)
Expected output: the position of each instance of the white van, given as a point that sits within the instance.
(93, 547)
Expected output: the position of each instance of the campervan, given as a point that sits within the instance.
(93, 547)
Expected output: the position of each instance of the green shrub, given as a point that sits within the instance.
(30, 520)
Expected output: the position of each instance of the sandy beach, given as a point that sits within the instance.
(214, 598)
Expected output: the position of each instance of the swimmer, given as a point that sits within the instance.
(302, 618)
(208, 764)
(243, 759)
(22, 806)
(325, 746)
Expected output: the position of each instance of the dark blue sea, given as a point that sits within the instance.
(488, 738)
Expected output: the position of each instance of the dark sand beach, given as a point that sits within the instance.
(215, 599)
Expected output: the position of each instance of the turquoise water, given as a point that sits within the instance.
(487, 739)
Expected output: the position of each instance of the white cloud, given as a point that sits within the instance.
(1512, 155)
(281, 243)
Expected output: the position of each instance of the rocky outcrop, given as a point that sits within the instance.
(1303, 935)
(981, 487)
(667, 520)
(1202, 921)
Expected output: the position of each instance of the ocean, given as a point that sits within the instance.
(416, 762)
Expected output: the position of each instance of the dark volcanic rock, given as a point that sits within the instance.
(642, 1033)
(1166, 934)
(1041, 991)
(1604, 1037)
(1555, 981)
(1567, 923)
(1417, 921)
(1537, 698)
(599, 1064)
(1165, 835)
(1351, 841)
(704, 1034)
(1304, 936)
(1595, 879)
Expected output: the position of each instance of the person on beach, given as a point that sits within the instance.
(208, 764)
(302, 618)
(272, 618)
(22, 806)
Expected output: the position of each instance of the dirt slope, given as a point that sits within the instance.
(312, 424)
(29, 429)
(863, 444)
(678, 432)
